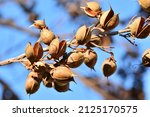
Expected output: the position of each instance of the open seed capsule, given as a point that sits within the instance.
(75, 59)
(145, 4)
(146, 58)
(109, 67)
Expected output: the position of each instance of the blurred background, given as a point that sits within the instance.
(64, 17)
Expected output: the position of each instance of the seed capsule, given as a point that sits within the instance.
(92, 9)
(32, 83)
(75, 59)
(29, 52)
(46, 36)
(109, 67)
(138, 29)
(146, 58)
(62, 73)
(94, 40)
(38, 51)
(61, 88)
(47, 80)
(54, 47)
(83, 35)
(145, 4)
(90, 58)
(40, 24)
(108, 20)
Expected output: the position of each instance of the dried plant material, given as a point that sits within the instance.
(92, 9)
(39, 24)
(39, 66)
(32, 83)
(146, 58)
(108, 20)
(38, 51)
(62, 48)
(90, 58)
(138, 29)
(145, 4)
(109, 67)
(54, 47)
(75, 59)
(94, 40)
(83, 35)
(61, 73)
(61, 88)
(47, 80)
(29, 52)
(46, 36)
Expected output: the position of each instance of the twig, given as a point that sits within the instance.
(16, 59)
(10, 23)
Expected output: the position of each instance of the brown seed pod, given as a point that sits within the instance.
(113, 22)
(92, 9)
(38, 51)
(75, 59)
(54, 47)
(46, 36)
(62, 48)
(145, 32)
(145, 4)
(94, 40)
(61, 73)
(32, 83)
(146, 58)
(90, 58)
(109, 67)
(108, 20)
(83, 35)
(39, 66)
(29, 52)
(61, 88)
(136, 25)
(40, 24)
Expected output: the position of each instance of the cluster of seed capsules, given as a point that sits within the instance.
(58, 74)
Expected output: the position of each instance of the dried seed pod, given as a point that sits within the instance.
(40, 24)
(90, 58)
(94, 40)
(29, 52)
(146, 58)
(113, 22)
(145, 4)
(94, 6)
(83, 35)
(109, 67)
(54, 47)
(75, 59)
(136, 25)
(46, 36)
(32, 83)
(106, 16)
(92, 9)
(145, 32)
(38, 51)
(27, 64)
(61, 73)
(108, 20)
(35, 75)
(61, 88)
(62, 48)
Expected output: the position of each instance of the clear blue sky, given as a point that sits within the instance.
(15, 74)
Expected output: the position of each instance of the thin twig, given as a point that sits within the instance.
(16, 59)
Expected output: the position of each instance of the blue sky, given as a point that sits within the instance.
(15, 74)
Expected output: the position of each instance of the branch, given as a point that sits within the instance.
(12, 24)
(16, 59)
